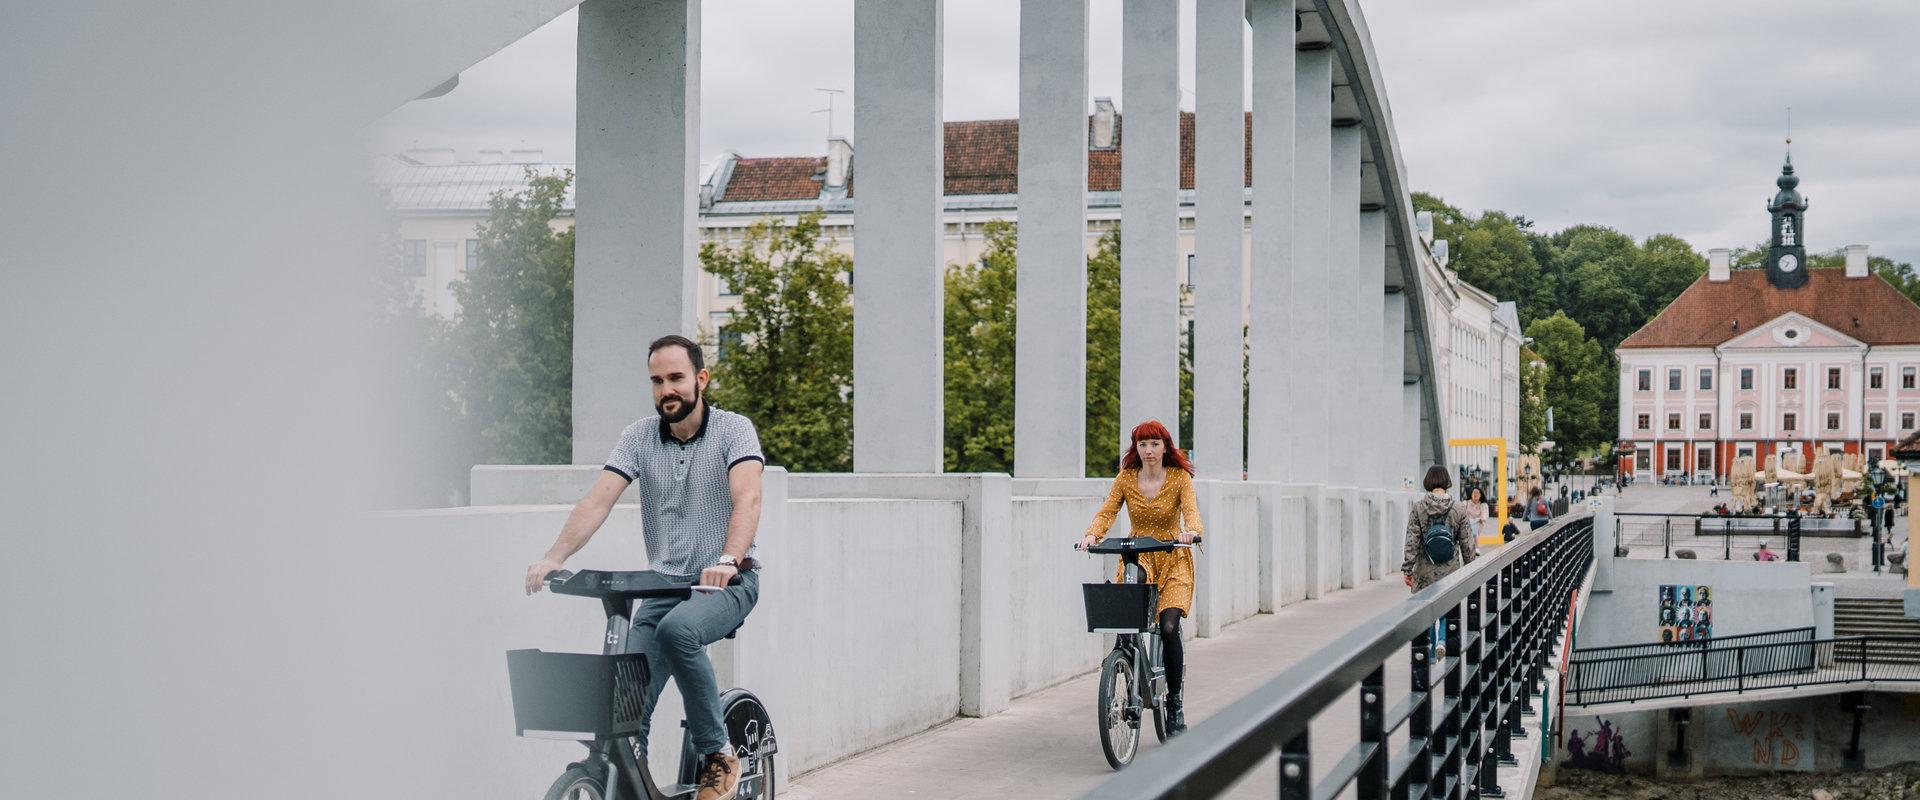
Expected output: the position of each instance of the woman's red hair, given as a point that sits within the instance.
(1152, 429)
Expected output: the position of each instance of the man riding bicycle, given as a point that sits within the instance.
(699, 470)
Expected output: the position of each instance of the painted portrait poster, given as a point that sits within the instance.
(1685, 613)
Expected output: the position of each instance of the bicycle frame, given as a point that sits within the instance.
(1143, 652)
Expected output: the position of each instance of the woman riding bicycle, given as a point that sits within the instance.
(1160, 503)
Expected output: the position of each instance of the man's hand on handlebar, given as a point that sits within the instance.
(537, 573)
(718, 575)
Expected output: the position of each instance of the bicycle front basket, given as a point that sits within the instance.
(577, 696)
(1120, 607)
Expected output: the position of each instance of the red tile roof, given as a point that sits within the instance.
(982, 157)
(774, 179)
(1708, 314)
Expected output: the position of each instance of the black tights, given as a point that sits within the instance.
(1171, 651)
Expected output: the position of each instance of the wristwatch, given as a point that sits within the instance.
(729, 561)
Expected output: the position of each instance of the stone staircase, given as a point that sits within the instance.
(1877, 617)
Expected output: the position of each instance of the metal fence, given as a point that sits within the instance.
(1726, 538)
(1801, 635)
(1459, 716)
(1743, 667)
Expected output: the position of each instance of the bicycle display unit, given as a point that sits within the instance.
(601, 700)
(1133, 679)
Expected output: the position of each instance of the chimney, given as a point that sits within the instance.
(839, 167)
(1440, 252)
(529, 156)
(1102, 137)
(1719, 265)
(1423, 222)
(1857, 261)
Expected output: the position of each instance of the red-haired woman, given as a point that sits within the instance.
(1156, 484)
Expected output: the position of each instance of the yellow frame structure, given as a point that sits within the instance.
(1500, 478)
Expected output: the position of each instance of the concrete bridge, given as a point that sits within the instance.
(851, 652)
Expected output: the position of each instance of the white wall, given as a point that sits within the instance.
(860, 637)
(1748, 597)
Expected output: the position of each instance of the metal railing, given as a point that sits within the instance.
(1728, 538)
(1801, 635)
(1459, 716)
(1736, 668)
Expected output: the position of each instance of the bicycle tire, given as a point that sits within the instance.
(1117, 719)
(750, 732)
(577, 784)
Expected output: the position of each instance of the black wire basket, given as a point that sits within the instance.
(1120, 607)
(575, 695)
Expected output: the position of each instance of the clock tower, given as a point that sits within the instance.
(1787, 255)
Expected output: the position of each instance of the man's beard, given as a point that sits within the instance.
(685, 410)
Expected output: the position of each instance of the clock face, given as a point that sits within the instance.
(1789, 263)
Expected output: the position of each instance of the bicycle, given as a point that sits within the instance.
(600, 701)
(1128, 608)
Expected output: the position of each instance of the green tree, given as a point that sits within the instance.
(1666, 267)
(980, 318)
(1103, 356)
(514, 335)
(1579, 375)
(787, 355)
(1533, 400)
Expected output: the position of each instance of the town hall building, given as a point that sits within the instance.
(1758, 362)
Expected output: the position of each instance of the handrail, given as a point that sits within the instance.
(1746, 667)
(1801, 635)
(1495, 660)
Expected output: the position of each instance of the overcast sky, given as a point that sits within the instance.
(1651, 116)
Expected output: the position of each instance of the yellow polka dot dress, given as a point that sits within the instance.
(1162, 517)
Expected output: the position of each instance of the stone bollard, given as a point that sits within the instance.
(1686, 554)
(1836, 563)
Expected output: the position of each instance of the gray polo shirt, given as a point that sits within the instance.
(685, 499)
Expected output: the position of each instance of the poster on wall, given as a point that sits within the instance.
(1686, 613)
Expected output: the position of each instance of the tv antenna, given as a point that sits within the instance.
(831, 94)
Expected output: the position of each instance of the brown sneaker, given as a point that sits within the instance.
(719, 777)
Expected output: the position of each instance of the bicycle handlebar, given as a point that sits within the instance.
(1126, 544)
(632, 584)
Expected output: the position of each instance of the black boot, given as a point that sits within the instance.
(1176, 715)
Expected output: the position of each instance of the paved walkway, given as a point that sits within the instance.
(1046, 745)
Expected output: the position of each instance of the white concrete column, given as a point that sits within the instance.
(1149, 215)
(1307, 416)
(898, 304)
(1219, 165)
(637, 141)
(1050, 348)
(1271, 358)
(1345, 391)
(1374, 390)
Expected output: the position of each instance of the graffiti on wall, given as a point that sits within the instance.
(1604, 749)
(1686, 612)
(1778, 738)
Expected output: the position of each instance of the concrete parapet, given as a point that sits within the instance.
(1320, 531)
(535, 485)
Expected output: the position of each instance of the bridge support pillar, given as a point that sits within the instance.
(1352, 528)
(1347, 392)
(1308, 417)
(636, 198)
(1219, 237)
(1374, 439)
(898, 303)
(1050, 376)
(1379, 558)
(1273, 361)
(1149, 214)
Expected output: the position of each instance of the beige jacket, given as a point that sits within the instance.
(1425, 572)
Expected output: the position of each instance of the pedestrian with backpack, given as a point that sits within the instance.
(1538, 512)
(1440, 536)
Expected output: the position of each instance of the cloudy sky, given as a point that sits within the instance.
(1651, 116)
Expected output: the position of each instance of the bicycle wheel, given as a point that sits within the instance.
(750, 730)
(577, 784)
(1119, 717)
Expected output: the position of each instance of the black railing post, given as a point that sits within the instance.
(1371, 783)
(1517, 632)
(1451, 731)
(1793, 536)
(1296, 774)
(1667, 524)
(1420, 723)
(1726, 539)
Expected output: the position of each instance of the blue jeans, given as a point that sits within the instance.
(674, 634)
